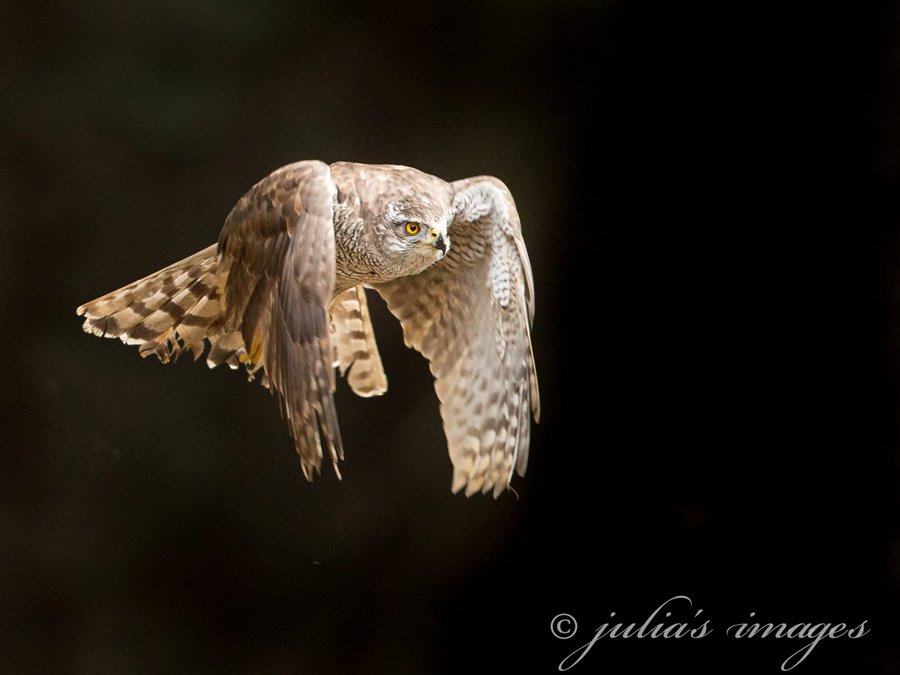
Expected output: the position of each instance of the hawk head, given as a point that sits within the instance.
(413, 233)
(403, 215)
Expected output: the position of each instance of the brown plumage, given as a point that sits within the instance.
(283, 292)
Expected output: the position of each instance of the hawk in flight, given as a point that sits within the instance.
(283, 294)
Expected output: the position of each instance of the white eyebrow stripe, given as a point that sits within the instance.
(393, 211)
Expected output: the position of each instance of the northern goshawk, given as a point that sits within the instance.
(283, 293)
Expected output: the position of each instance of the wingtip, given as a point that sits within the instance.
(485, 480)
(307, 472)
(475, 485)
(459, 481)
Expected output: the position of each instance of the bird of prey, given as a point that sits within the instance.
(283, 294)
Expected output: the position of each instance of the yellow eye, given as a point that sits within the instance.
(412, 228)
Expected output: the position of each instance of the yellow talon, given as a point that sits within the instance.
(252, 357)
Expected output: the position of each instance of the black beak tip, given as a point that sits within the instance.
(441, 243)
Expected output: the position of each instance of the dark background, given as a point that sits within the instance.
(709, 196)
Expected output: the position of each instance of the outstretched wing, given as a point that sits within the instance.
(470, 315)
(276, 275)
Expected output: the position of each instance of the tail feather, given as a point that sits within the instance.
(354, 343)
(168, 312)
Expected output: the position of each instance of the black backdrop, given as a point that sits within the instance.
(709, 195)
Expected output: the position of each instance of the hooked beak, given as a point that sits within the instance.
(439, 241)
